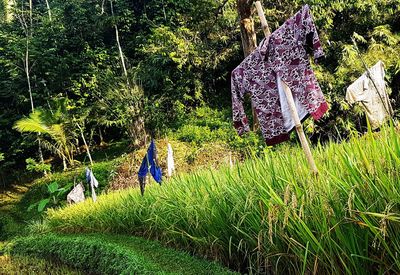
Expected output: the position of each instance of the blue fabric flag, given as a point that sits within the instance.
(149, 164)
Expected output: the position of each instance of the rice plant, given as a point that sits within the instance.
(270, 214)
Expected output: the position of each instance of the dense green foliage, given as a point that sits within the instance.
(112, 254)
(178, 55)
(270, 214)
(107, 71)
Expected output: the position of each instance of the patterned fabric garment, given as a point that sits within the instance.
(284, 54)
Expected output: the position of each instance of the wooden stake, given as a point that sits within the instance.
(86, 145)
(289, 96)
(264, 23)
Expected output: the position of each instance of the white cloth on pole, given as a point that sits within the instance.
(90, 178)
(287, 117)
(375, 103)
(170, 160)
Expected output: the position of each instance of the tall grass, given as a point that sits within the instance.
(270, 214)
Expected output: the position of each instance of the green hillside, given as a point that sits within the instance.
(88, 84)
(269, 214)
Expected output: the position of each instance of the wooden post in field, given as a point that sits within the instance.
(289, 96)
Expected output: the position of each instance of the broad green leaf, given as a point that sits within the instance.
(42, 204)
(52, 187)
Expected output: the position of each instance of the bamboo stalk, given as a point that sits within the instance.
(86, 145)
(264, 23)
(293, 110)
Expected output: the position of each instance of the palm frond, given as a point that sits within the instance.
(359, 38)
(53, 148)
(33, 123)
(384, 34)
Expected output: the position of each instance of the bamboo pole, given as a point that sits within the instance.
(86, 145)
(289, 96)
(264, 23)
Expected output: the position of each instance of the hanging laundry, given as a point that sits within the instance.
(93, 183)
(149, 164)
(170, 160)
(77, 194)
(284, 55)
(375, 101)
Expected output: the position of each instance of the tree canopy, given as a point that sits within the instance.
(178, 54)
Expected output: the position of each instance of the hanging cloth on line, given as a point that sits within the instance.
(375, 101)
(170, 160)
(77, 194)
(93, 183)
(149, 164)
(284, 55)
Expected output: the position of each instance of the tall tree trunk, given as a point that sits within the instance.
(48, 9)
(28, 79)
(31, 13)
(86, 145)
(249, 39)
(101, 137)
(121, 54)
(28, 35)
(27, 73)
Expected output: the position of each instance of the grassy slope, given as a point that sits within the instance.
(15, 201)
(30, 265)
(11, 221)
(15, 217)
(270, 214)
(112, 254)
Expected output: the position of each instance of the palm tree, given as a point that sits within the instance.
(44, 123)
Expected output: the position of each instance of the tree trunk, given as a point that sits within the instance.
(64, 163)
(48, 9)
(28, 34)
(248, 34)
(249, 39)
(41, 154)
(31, 13)
(86, 145)
(121, 54)
(27, 73)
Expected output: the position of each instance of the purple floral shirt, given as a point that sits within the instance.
(283, 54)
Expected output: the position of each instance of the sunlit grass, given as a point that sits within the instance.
(271, 213)
(30, 265)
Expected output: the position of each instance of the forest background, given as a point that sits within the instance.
(102, 71)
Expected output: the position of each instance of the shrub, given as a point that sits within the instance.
(8, 227)
(111, 254)
(30, 265)
(33, 166)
